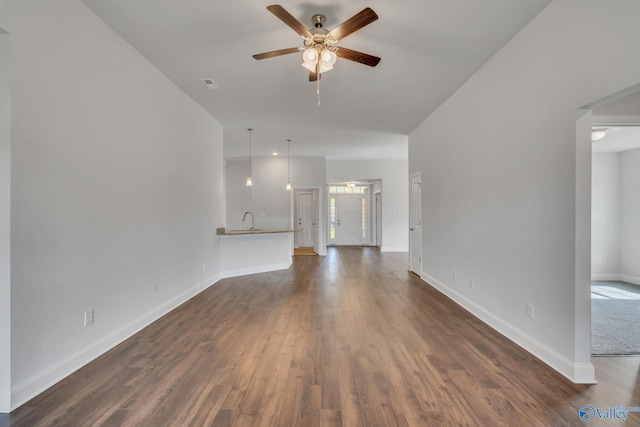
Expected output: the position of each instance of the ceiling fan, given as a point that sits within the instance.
(319, 52)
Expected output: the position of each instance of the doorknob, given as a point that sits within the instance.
(411, 229)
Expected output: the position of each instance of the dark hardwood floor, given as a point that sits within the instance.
(349, 339)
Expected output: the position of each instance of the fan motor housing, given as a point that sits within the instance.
(318, 20)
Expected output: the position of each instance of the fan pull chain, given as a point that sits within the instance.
(318, 88)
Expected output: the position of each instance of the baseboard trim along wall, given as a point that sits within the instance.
(40, 382)
(579, 373)
(5, 401)
(616, 277)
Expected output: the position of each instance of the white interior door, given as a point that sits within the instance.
(378, 224)
(415, 224)
(315, 223)
(349, 220)
(305, 215)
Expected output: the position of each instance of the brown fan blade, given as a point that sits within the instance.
(354, 55)
(357, 21)
(273, 53)
(289, 19)
(312, 76)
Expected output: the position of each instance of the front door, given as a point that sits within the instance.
(415, 224)
(349, 220)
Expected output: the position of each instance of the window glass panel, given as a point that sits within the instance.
(343, 189)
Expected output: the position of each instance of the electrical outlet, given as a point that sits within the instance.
(455, 275)
(88, 318)
(472, 283)
(530, 311)
(204, 266)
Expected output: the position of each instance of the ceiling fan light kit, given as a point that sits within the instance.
(319, 54)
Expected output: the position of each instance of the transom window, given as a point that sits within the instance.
(345, 189)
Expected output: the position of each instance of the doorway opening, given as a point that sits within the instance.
(306, 215)
(615, 225)
(415, 223)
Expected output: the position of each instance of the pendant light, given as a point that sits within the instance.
(288, 187)
(249, 180)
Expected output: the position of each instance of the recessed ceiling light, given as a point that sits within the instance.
(209, 83)
(275, 153)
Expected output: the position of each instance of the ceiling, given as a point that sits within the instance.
(429, 48)
(622, 118)
(619, 138)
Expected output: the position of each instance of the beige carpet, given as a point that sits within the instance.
(615, 315)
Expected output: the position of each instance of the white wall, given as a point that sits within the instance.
(268, 199)
(271, 200)
(630, 216)
(5, 220)
(605, 217)
(238, 195)
(394, 178)
(500, 179)
(116, 192)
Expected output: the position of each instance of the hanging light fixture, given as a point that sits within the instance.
(319, 53)
(249, 179)
(288, 187)
(319, 58)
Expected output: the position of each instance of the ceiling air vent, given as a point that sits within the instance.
(209, 83)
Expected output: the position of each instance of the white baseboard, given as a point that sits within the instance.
(254, 270)
(630, 279)
(38, 383)
(583, 373)
(394, 249)
(5, 401)
(616, 277)
(606, 277)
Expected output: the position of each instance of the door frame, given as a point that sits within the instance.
(378, 218)
(297, 215)
(414, 249)
(320, 193)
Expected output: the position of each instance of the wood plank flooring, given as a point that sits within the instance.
(350, 339)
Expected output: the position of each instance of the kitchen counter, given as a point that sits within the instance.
(255, 251)
(224, 232)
